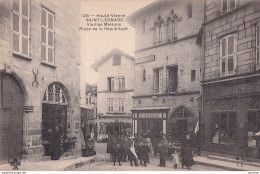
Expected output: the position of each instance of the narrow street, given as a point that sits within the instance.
(154, 161)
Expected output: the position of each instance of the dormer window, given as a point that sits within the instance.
(116, 60)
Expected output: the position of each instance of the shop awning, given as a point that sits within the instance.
(151, 108)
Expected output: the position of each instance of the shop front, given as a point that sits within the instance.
(151, 121)
(231, 117)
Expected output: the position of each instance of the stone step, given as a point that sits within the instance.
(233, 160)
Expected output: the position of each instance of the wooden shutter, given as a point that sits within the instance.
(25, 8)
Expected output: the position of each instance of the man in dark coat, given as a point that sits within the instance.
(110, 144)
(125, 147)
(163, 150)
(117, 153)
(144, 153)
(186, 153)
(55, 143)
(132, 156)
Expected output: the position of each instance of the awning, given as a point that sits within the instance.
(151, 108)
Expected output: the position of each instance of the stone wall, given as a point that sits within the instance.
(65, 71)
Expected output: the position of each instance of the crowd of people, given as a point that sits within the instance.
(138, 149)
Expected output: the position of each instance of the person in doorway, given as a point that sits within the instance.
(55, 143)
(186, 153)
(163, 150)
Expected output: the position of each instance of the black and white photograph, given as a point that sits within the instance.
(129, 85)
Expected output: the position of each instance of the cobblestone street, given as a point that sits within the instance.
(108, 166)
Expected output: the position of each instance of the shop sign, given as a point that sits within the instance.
(150, 115)
(234, 89)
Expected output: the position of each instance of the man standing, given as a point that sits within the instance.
(163, 150)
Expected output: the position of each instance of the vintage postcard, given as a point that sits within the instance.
(129, 85)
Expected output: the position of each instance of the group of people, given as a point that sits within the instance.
(135, 149)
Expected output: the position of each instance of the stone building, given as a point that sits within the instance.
(114, 92)
(39, 73)
(231, 79)
(88, 111)
(167, 67)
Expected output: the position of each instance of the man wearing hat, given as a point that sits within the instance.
(144, 153)
(163, 150)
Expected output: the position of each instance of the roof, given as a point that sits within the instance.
(131, 19)
(110, 54)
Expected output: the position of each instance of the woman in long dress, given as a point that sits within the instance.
(186, 152)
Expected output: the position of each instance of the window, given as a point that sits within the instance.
(144, 27)
(228, 5)
(54, 94)
(47, 36)
(182, 126)
(228, 55)
(116, 60)
(158, 31)
(190, 10)
(257, 46)
(172, 78)
(111, 83)
(171, 26)
(110, 106)
(21, 26)
(87, 100)
(224, 127)
(121, 105)
(121, 83)
(193, 75)
(144, 75)
(158, 80)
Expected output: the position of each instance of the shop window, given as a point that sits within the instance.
(158, 80)
(257, 46)
(228, 5)
(253, 126)
(224, 128)
(21, 26)
(228, 55)
(111, 83)
(47, 36)
(172, 78)
(116, 60)
(121, 83)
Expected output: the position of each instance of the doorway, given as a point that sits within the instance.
(11, 118)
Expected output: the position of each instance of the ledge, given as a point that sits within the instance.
(169, 94)
(48, 64)
(19, 55)
(118, 91)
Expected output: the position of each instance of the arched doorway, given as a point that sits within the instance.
(11, 118)
(181, 123)
(54, 112)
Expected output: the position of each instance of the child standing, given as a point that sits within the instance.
(176, 159)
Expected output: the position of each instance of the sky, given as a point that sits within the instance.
(95, 44)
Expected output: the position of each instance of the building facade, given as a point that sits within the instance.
(88, 111)
(167, 68)
(39, 78)
(114, 92)
(231, 79)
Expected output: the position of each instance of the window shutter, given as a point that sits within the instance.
(15, 22)
(25, 8)
(50, 21)
(43, 52)
(43, 34)
(235, 53)
(50, 55)
(25, 45)
(16, 5)
(44, 17)
(15, 42)
(116, 105)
